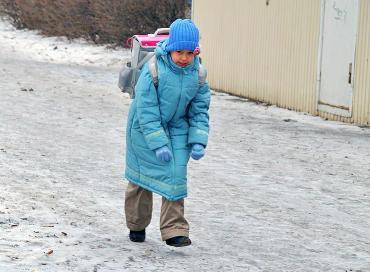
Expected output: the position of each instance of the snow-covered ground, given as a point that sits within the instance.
(277, 190)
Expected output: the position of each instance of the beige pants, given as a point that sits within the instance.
(138, 209)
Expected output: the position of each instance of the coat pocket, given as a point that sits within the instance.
(153, 170)
(147, 155)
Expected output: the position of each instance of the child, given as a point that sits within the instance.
(166, 125)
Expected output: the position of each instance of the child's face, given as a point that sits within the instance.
(182, 58)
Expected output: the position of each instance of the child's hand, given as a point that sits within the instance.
(197, 151)
(163, 153)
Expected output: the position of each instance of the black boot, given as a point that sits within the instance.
(137, 236)
(179, 241)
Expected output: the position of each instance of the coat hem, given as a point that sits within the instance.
(140, 181)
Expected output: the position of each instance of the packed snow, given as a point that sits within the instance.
(277, 190)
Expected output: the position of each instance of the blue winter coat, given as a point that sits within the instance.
(175, 114)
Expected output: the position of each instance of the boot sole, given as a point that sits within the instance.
(180, 245)
(137, 241)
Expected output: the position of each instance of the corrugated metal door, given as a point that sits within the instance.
(339, 30)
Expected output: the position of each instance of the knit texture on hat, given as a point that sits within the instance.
(184, 35)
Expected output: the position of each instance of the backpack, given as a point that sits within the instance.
(142, 51)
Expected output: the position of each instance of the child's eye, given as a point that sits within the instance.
(178, 51)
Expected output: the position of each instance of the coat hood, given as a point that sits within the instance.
(160, 52)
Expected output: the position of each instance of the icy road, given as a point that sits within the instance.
(277, 190)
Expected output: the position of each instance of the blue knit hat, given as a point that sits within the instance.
(184, 35)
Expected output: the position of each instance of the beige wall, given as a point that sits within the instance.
(270, 52)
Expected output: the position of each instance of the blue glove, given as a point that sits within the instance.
(163, 153)
(197, 151)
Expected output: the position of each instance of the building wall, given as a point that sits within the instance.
(264, 52)
(268, 50)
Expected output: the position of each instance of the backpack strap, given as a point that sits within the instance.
(153, 69)
(202, 75)
(148, 56)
